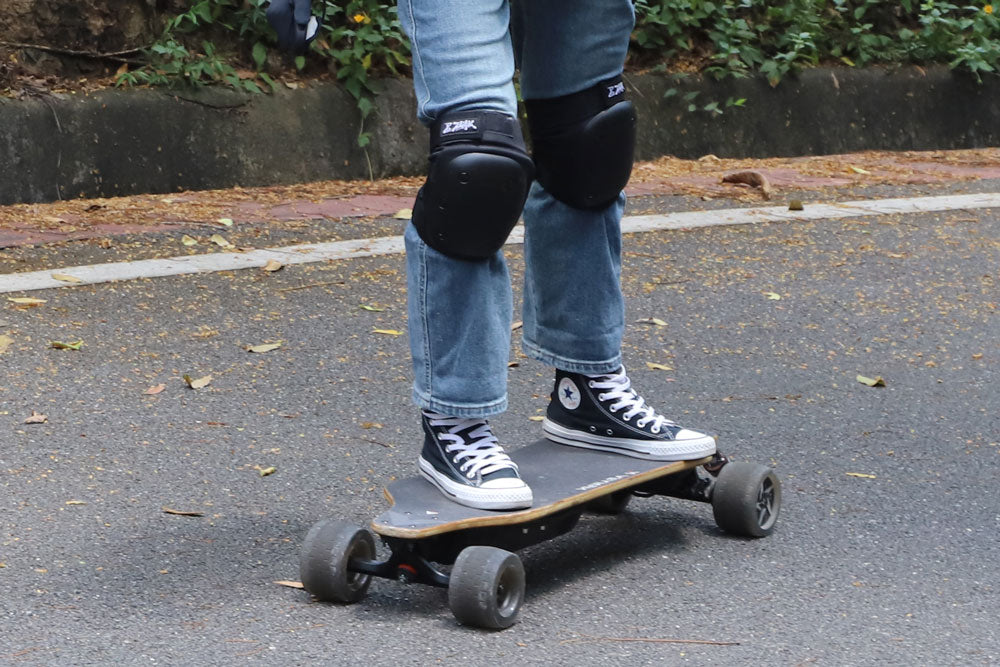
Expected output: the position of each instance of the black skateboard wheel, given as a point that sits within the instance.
(486, 588)
(323, 565)
(746, 499)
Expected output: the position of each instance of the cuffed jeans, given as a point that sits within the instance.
(460, 312)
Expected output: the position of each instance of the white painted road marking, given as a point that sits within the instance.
(389, 245)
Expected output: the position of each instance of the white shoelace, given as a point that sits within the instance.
(482, 453)
(619, 389)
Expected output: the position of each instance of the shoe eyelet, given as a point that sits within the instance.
(593, 429)
(627, 418)
(655, 430)
(601, 397)
(591, 384)
(610, 432)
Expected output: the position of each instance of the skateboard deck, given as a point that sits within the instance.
(560, 477)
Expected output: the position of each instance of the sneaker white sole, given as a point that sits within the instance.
(654, 450)
(479, 498)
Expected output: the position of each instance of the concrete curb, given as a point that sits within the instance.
(122, 142)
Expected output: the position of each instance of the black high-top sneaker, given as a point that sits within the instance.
(604, 412)
(463, 459)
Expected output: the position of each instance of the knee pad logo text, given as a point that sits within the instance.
(468, 125)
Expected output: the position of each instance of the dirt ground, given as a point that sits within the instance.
(54, 45)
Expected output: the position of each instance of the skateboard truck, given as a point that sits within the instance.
(692, 484)
(486, 582)
(405, 564)
(714, 467)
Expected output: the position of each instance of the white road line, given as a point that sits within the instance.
(338, 250)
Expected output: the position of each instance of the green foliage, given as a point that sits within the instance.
(357, 39)
(737, 37)
(230, 42)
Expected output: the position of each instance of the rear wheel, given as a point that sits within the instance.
(746, 499)
(323, 566)
(486, 588)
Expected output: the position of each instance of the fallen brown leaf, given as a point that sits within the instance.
(26, 301)
(220, 241)
(871, 382)
(199, 383)
(657, 367)
(265, 347)
(36, 418)
(153, 391)
(65, 278)
(754, 179)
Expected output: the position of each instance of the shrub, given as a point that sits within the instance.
(229, 41)
(736, 38)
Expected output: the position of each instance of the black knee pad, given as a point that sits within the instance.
(584, 144)
(477, 182)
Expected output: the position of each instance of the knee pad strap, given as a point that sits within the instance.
(584, 144)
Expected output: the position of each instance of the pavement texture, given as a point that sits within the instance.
(883, 553)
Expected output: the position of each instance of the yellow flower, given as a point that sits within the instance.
(988, 9)
(361, 18)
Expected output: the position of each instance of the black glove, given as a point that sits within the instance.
(294, 23)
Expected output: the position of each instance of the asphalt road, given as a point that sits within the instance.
(884, 552)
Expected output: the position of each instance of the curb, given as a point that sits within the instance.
(124, 142)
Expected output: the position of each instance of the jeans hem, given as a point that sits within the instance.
(571, 365)
(463, 410)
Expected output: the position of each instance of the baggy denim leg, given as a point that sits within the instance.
(462, 55)
(459, 330)
(574, 312)
(573, 306)
(460, 312)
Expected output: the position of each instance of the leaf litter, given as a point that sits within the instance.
(694, 177)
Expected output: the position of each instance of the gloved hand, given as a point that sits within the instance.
(294, 23)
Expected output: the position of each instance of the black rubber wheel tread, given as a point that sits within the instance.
(486, 588)
(746, 499)
(328, 547)
(612, 503)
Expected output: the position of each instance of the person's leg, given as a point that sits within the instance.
(571, 59)
(460, 310)
(573, 308)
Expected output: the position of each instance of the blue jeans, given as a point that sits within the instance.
(460, 312)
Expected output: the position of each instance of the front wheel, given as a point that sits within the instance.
(486, 588)
(329, 546)
(746, 499)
